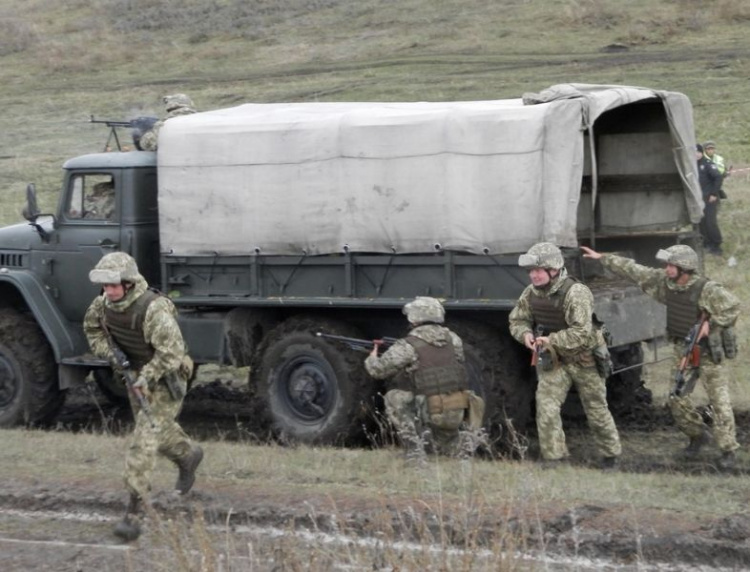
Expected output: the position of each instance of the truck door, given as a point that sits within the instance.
(88, 228)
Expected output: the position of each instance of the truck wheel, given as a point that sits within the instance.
(626, 392)
(113, 389)
(29, 392)
(497, 372)
(314, 390)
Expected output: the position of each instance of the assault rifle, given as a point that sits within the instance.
(541, 357)
(359, 344)
(691, 358)
(123, 365)
(138, 127)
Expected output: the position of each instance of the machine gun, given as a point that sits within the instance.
(123, 365)
(137, 126)
(691, 358)
(359, 344)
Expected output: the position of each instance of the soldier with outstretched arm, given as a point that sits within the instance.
(689, 299)
(142, 323)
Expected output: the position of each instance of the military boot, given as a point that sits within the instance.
(129, 528)
(727, 460)
(695, 445)
(609, 464)
(187, 466)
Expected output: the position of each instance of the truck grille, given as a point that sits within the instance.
(12, 260)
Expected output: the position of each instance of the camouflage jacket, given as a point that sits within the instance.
(160, 330)
(722, 306)
(402, 356)
(578, 306)
(150, 140)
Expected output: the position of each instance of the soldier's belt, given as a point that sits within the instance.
(584, 359)
(458, 400)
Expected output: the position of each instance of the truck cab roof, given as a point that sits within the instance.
(116, 160)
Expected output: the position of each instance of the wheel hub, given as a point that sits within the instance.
(307, 390)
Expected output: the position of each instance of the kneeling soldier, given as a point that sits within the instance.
(438, 401)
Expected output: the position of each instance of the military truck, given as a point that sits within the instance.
(269, 223)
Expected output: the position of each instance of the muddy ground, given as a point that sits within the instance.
(72, 520)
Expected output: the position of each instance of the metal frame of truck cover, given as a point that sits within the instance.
(464, 282)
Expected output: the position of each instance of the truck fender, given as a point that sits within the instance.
(64, 339)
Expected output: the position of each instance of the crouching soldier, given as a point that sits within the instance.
(142, 323)
(438, 404)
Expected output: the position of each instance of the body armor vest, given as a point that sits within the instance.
(682, 309)
(548, 312)
(439, 371)
(127, 329)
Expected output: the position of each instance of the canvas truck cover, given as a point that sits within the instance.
(319, 178)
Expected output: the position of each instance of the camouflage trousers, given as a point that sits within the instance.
(166, 438)
(687, 417)
(551, 392)
(417, 429)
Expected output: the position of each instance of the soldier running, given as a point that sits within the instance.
(142, 323)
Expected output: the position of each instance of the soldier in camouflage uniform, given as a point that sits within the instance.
(176, 105)
(100, 204)
(142, 323)
(437, 404)
(563, 309)
(688, 297)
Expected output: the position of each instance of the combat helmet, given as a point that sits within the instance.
(424, 309)
(542, 255)
(680, 255)
(115, 268)
(172, 102)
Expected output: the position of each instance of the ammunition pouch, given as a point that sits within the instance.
(716, 346)
(176, 385)
(603, 361)
(447, 402)
(729, 342)
(547, 359)
(475, 417)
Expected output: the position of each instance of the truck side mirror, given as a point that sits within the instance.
(31, 210)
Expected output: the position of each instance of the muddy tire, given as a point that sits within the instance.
(498, 373)
(113, 389)
(29, 391)
(626, 392)
(313, 390)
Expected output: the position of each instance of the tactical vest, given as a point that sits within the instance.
(548, 311)
(682, 309)
(127, 329)
(439, 371)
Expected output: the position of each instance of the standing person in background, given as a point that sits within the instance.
(175, 105)
(710, 180)
(142, 322)
(709, 149)
(554, 314)
(691, 299)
